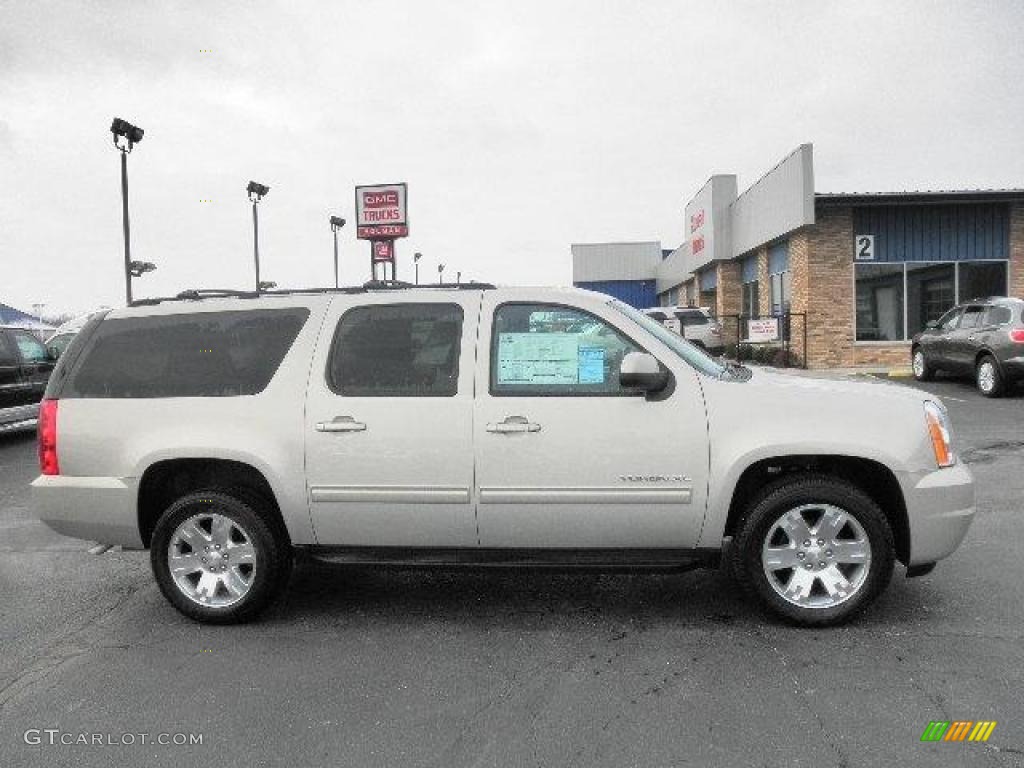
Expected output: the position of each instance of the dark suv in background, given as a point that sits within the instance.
(25, 366)
(983, 338)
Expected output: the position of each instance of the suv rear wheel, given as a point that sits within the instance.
(215, 557)
(988, 377)
(815, 549)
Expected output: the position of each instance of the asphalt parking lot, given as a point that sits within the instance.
(406, 668)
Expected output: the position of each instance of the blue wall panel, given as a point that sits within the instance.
(637, 293)
(936, 232)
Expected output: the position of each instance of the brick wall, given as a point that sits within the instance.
(1016, 286)
(823, 287)
(729, 294)
(799, 276)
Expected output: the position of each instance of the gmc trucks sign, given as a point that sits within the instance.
(381, 212)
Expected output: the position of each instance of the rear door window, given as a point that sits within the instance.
(397, 350)
(200, 354)
(972, 317)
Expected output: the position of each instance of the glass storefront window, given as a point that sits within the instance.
(913, 294)
(930, 292)
(981, 279)
(879, 302)
(750, 299)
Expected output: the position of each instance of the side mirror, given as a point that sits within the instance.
(932, 326)
(52, 352)
(640, 370)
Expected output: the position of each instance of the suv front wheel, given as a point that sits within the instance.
(815, 549)
(919, 365)
(215, 557)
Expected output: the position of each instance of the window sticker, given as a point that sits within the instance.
(591, 365)
(538, 358)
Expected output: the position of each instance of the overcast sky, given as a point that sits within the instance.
(521, 127)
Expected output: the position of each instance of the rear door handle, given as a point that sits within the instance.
(513, 424)
(341, 424)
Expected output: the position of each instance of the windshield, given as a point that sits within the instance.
(692, 354)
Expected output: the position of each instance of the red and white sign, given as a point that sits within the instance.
(383, 250)
(765, 329)
(381, 212)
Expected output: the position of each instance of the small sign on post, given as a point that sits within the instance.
(762, 330)
(383, 250)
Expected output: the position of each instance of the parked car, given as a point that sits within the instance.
(983, 338)
(442, 426)
(695, 324)
(25, 367)
(58, 341)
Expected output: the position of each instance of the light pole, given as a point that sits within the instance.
(458, 278)
(256, 192)
(129, 136)
(336, 224)
(416, 264)
(440, 274)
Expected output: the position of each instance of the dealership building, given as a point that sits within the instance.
(851, 277)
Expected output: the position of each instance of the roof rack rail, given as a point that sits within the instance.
(196, 294)
(212, 293)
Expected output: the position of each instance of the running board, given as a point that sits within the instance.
(472, 557)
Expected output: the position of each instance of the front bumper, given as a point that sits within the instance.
(99, 509)
(940, 508)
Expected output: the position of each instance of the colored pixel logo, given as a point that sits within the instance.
(958, 730)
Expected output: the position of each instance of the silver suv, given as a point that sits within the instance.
(695, 324)
(468, 425)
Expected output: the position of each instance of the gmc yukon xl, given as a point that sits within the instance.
(481, 426)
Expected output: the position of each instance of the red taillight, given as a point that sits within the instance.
(47, 438)
(1017, 335)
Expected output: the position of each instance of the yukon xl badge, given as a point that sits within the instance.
(654, 479)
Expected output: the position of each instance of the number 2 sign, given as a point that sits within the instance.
(864, 247)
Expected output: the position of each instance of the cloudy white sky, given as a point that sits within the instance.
(521, 127)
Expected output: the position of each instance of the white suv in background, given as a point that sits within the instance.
(695, 324)
(468, 425)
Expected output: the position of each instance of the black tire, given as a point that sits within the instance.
(272, 560)
(998, 385)
(926, 372)
(786, 494)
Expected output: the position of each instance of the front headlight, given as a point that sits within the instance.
(940, 433)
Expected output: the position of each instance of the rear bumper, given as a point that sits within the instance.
(940, 508)
(99, 509)
(1013, 368)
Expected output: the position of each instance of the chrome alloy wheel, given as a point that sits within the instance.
(918, 364)
(212, 560)
(986, 376)
(816, 556)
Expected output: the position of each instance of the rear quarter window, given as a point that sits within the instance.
(201, 354)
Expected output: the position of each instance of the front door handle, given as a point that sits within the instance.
(341, 424)
(513, 424)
